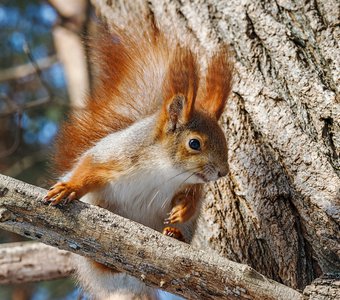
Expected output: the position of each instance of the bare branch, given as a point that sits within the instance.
(27, 69)
(38, 70)
(28, 262)
(130, 247)
(18, 128)
(31, 261)
(32, 104)
(327, 287)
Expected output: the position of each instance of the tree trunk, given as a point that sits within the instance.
(278, 210)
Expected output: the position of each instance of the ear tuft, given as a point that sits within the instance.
(218, 84)
(180, 87)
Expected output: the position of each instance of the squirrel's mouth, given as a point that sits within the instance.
(202, 176)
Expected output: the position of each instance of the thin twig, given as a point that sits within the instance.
(27, 50)
(17, 140)
(26, 69)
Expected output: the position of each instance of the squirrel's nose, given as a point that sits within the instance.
(222, 173)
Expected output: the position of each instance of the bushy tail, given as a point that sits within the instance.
(130, 69)
(106, 285)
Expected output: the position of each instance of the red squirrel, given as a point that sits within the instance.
(147, 139)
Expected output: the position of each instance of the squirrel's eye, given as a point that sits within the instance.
(195, 144)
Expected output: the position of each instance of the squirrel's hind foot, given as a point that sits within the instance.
(174, 233)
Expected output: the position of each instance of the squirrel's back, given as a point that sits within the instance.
(128, 87)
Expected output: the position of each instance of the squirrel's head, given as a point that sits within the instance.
(188, 127)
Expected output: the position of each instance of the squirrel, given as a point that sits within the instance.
(146, 141)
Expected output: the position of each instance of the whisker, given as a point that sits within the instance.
(192, 174)
(187, 192)
(196, 168)
(173, 177)
(187, 178)
(165, 202)
(153, 198)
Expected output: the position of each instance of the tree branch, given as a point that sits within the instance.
(130, 247)
(28, 262)
(27, 69)
(327, 287)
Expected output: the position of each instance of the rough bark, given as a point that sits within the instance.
(131, 247)
(31, 261)
(28, 262)
(324, 288)
(278, 211)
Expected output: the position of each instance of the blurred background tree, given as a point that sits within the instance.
(33, 100)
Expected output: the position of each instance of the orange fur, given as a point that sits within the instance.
(101, 267)
(128, 67)
(87, 176)
(120, 98)
(182, 78)
(120, 59)
(218, 84)
(179, 90)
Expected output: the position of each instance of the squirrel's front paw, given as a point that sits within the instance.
(174, 233)
(61, 191)
(180, 213)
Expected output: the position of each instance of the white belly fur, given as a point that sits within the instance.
(144, 197)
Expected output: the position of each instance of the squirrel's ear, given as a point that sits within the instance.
(218, 84)
(177, 111)
(180, 87)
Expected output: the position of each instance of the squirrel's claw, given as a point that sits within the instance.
(70, 197)
(61, 191)
(174, 233)
(179, 214)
